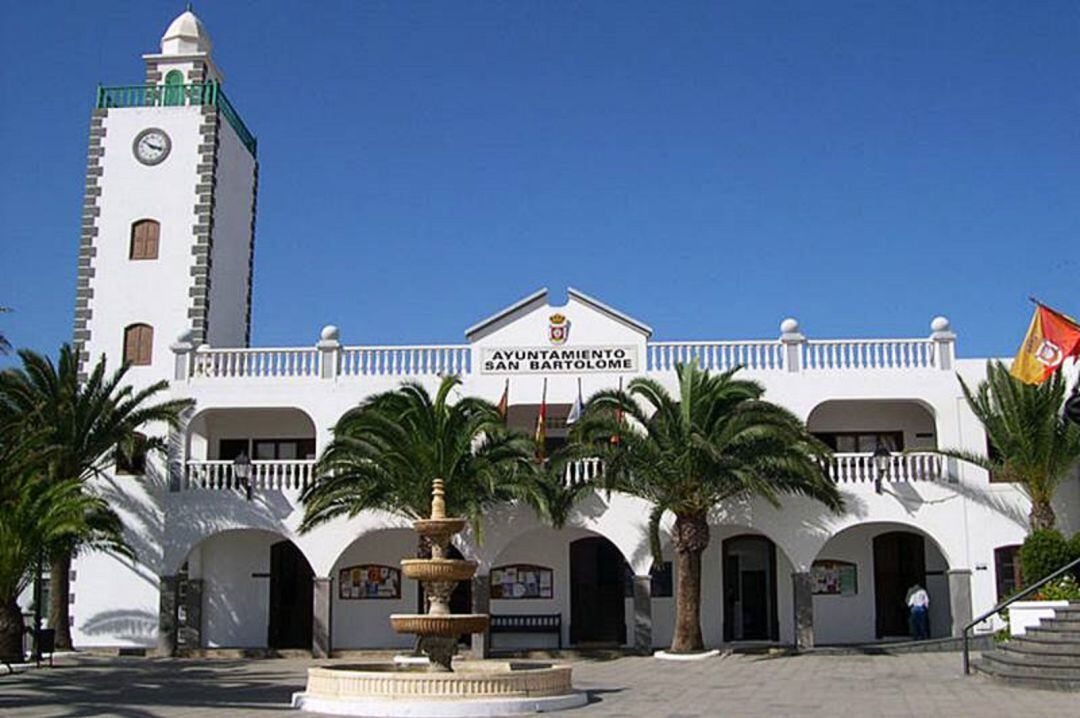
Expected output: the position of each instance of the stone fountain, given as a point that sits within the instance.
(439, 629)
(442, 686)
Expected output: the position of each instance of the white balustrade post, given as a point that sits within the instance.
(793, 341)
(329, 352)
(182, 349)
(944, 343)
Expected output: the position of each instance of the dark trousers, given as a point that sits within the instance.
(920, 623)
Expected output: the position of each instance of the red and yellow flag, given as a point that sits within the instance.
(541, 425)
(1051, 338)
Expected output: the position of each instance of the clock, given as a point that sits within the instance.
(151, 146)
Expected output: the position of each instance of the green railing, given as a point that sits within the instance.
(195, 94)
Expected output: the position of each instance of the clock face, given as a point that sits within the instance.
(152, 146)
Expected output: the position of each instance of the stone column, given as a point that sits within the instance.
(643, 614)
(167, 615)
(481, 603)
(320, 617)
(792, 340)
(329, 348)
(944, 343)
(181, 350)
(802, 584)
(959, 599)
(190, 624)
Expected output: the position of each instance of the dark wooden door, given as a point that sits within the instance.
(750, 605)
(291, 598)
(899, 563)
(597, 592)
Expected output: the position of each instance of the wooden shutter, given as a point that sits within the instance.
(144, 239)
(138, 344)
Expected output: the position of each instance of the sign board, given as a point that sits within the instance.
(559, 360)
(369, 581)
(834, 578)
(522, 581)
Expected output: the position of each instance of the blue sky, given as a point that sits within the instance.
(708, 168)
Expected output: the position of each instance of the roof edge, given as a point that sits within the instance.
(610, 311)
(538, 295)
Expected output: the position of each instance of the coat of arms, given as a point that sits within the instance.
(558, 329)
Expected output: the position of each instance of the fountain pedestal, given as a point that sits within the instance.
(441, 688)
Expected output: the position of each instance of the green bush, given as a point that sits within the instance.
(1044, 551)
(1065, 588)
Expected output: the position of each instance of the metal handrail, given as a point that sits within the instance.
(1009, 601)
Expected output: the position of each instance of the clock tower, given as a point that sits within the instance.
(168, 228)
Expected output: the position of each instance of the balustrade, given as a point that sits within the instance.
(763, 355)
(216, 475)
(405, 360)
(851, 468)
(250, 363)
(869, 354)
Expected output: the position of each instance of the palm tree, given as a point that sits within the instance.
(1031, 440)
(37, 515)
(715, 442)
(386, 451)
(88, 426)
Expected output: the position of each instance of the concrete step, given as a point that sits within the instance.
(1037, 653)
(1070, 624)
(1050, 630)
(1002, 674)
(1045, 643)
(1026, 665)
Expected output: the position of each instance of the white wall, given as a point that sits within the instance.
(236, 604)
(229, 272)
(852, 619)
(365, 623)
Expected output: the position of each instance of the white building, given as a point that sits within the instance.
(167, 240)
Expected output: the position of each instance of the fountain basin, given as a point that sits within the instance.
(475, 688)
(438, 569)
(439, 527)
(440, 625)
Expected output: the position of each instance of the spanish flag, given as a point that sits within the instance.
(1051, 338)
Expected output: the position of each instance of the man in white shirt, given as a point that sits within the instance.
(918, 602)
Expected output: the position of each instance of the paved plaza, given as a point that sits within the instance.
(809, 685)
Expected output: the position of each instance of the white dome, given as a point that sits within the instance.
(185, 35)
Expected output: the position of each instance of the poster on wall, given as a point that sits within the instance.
(522, 581)
(834, 578)
(369, 581)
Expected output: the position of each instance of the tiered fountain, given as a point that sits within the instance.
(441, 686)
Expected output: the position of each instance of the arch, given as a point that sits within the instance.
(138, 344)
(145, 236)
(174, 88)
(246, 587)
(210, 426)
(887, 558)
(898, 423)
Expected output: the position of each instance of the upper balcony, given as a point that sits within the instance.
(791, 352)
(196, 94)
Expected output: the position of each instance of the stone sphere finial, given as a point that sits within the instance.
(438, 500)
(940, 324)
(329, 333)
(789, 326)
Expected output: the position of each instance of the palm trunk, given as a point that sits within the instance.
(11, 632)
(1042, 515)
(59, 600)
(691, 537)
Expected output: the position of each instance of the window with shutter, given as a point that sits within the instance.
(144, 239)
(138, 344)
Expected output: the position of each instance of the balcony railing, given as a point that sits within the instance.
(870, 354)
(254, 363)
(845, 468)
(764, 355)
(405, 360)
(195, 94)
(216, 475)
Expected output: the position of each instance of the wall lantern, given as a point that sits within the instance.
(242, 472)
(882, 461)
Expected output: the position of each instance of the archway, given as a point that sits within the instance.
(597, 592)
(750, 589)
(861, 578)
(245, 588)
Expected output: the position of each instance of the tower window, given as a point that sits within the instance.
(138, 344)
(174, 88)
(144, 239)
